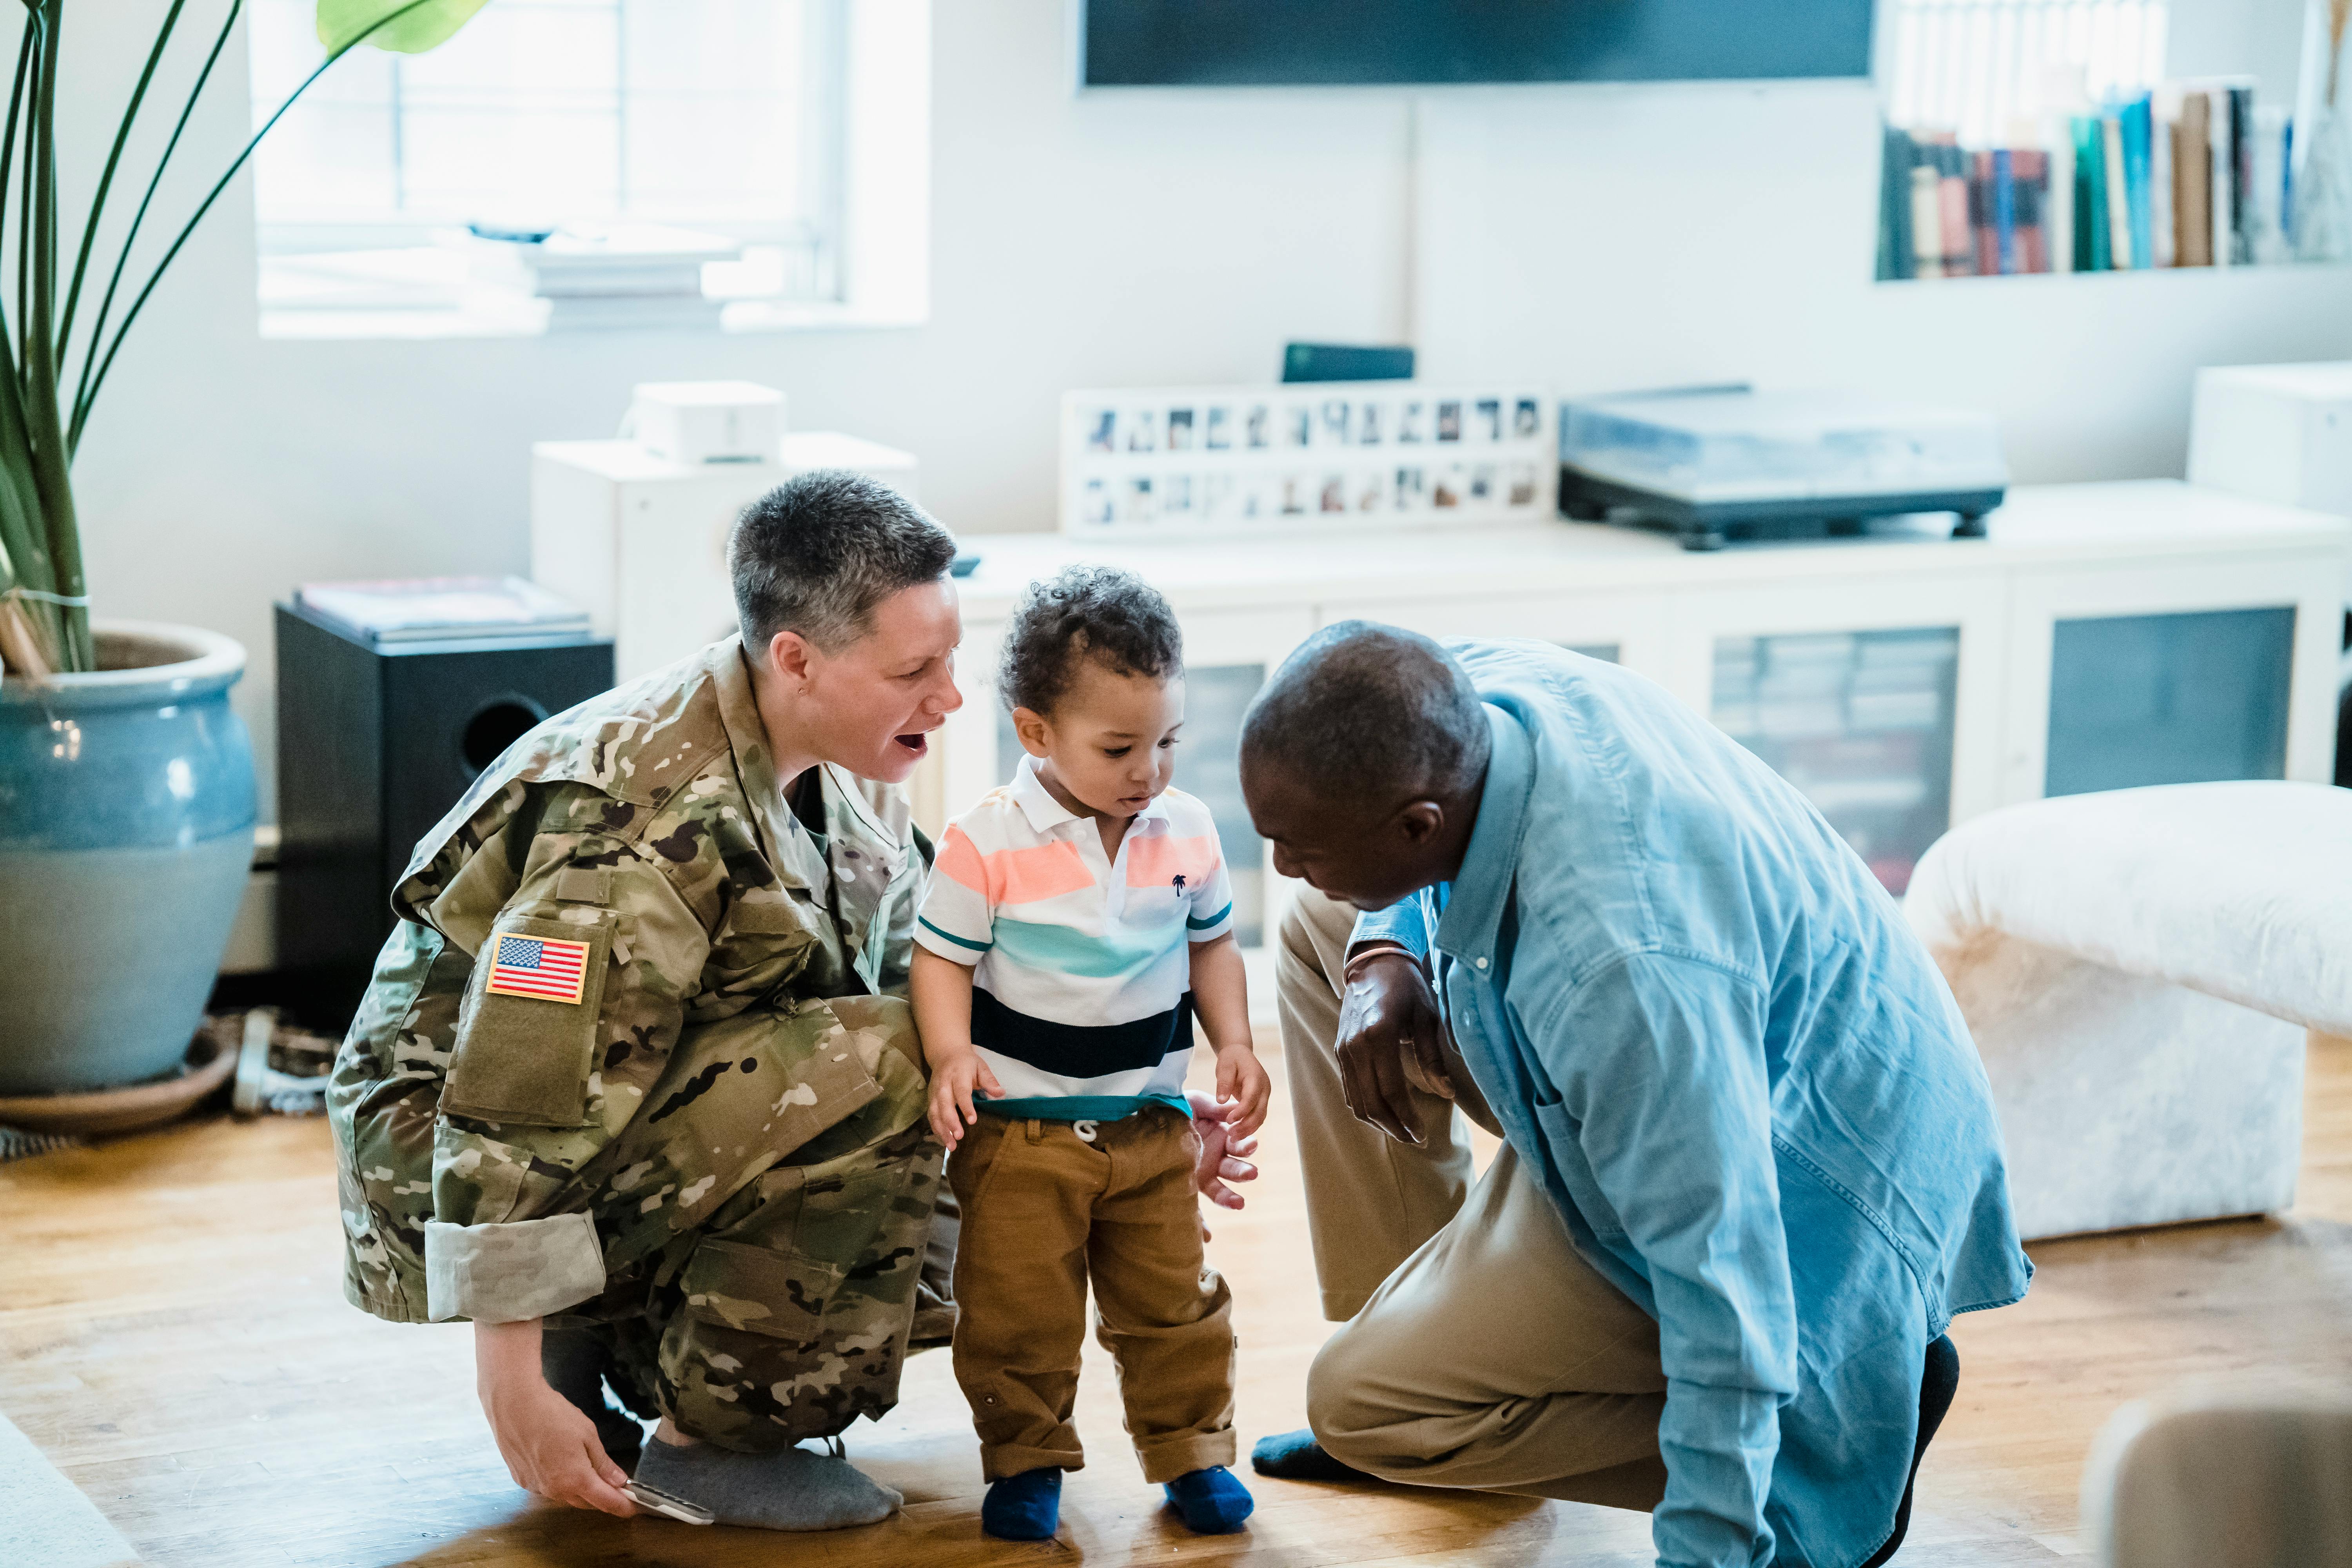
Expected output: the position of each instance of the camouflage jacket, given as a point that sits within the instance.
(636, 855)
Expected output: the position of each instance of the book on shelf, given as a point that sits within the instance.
(2117, 187)
(2190, 173)
(2132, 122)
(2094, 234)
(1897, 256)
(2241, 175)
(419, 609)
(1959, 247)
(2193, 181)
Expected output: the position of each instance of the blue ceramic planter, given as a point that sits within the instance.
(126, 837)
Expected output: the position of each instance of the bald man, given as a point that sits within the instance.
(1751, 1168)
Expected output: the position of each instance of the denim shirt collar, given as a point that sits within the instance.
(1474, 903)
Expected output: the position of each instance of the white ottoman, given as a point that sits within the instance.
(2138, 968)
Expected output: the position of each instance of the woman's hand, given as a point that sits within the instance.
(549, 1446)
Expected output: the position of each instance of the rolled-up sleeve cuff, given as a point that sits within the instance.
(946, 944)
(510, 1273)
(1402, 922)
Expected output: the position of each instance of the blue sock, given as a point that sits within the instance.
(1298, 1456)
(1026, 1506)
(1211, 1500)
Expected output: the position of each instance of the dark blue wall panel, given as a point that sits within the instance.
(1231, 43)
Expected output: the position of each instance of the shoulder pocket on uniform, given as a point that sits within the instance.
(769, 917)
(526, 1033)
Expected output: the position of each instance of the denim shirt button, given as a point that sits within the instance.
(1482, 963)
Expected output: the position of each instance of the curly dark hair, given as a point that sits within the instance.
(1086, 612)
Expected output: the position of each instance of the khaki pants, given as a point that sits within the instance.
(1044, 1210)
(1479, 1350)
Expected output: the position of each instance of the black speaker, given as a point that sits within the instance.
(375, 742)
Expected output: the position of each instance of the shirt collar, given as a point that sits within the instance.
(1047, 814)
(1474, 906)
(739, 710)
(792, 853)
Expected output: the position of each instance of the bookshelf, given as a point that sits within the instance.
(2190, 175)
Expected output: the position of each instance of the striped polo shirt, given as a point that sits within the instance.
(1081, 1001)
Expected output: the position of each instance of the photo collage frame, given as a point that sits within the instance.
(1186, 462)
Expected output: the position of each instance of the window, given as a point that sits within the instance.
(1985, 68)
(726, 117)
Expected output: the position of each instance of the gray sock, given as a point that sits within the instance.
(788, 1489)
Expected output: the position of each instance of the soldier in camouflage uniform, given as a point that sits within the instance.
(637, 1064)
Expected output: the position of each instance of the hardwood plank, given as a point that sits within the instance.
(173, 1335)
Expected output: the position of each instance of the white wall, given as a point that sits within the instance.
(1598, 237)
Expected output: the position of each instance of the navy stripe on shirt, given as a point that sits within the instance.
(1079, 1051)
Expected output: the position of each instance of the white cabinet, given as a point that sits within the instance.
(2104, 636)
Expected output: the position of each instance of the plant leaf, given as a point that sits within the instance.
(342, 23)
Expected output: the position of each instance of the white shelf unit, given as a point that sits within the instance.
(1971, 702)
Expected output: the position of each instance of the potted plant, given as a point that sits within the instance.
(126, 783)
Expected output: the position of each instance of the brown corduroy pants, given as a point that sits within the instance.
(1046, 1210)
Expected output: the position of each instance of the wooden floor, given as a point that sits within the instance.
(173, 1336)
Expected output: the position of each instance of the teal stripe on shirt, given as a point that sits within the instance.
(1204, 925)
(1059, 950)
(950, 936)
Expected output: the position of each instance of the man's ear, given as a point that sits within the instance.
(1030, 725)
(788, 654)
(1420, 822)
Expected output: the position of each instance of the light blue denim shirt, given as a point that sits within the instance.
(1741, 1081)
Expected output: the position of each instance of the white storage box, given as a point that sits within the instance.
(2276, 432)
(708, 421)
(640, 542)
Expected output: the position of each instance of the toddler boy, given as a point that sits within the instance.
(1078, 921)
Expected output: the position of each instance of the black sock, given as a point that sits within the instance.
(1938, 1382)
(1298, 1456)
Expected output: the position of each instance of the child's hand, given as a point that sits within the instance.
(953, 1079)
(1240, 1080)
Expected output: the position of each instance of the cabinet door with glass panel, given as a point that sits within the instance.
(1631, 629)
(1879, 701)
(1227, 657)
(2129, 676)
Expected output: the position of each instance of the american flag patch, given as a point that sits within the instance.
(540, 966)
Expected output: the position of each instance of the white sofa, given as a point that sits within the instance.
(2139, 968)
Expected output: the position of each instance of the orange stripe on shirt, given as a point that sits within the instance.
(1157, 861)
(1045, 871)
(959, 860)
(1013, 876)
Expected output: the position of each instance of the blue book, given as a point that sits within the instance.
(2138, 127)
(2004, 211)
(2091, 229)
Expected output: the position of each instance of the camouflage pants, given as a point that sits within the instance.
(783, 1313)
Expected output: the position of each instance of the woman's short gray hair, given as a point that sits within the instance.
(819, 553)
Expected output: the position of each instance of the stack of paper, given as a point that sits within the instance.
(612, 276)
(421, 609)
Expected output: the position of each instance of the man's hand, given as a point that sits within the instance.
(1390, 1032)
(549, 1447)
(1222, 1153)
(954, 1075)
